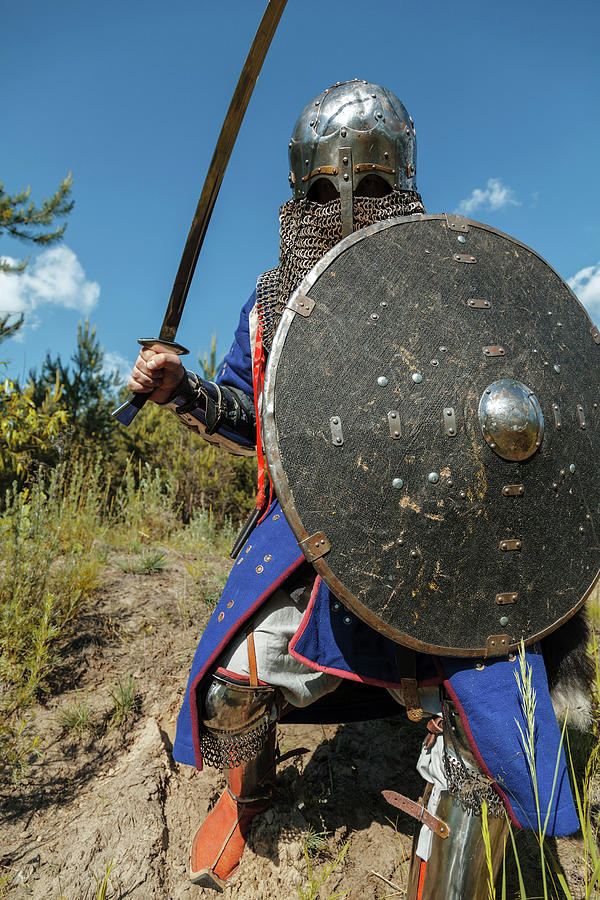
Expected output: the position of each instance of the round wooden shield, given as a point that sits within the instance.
(431, 425)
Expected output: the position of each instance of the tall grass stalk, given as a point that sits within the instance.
(311, 890)
(488, 851)
(528, 703)
(550, 867)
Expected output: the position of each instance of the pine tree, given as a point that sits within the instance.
(21, 218)
(29, 426)
(88, 391)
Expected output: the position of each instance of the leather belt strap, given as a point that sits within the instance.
(418, 812)
(252, 669)
(406, 661)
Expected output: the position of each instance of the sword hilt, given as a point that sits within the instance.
(126, 412)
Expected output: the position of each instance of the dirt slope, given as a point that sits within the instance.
(115, 795)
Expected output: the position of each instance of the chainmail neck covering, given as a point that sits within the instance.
(307, 231)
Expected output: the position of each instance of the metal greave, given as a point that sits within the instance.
(238, 734)
(457, 867)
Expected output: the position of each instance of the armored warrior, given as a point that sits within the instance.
(279, 640)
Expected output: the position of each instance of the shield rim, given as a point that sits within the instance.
(279, 478)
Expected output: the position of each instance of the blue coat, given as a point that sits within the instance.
(332, 639)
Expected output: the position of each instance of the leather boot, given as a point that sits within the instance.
(219, 843)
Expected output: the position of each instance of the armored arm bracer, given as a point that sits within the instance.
(221, 414)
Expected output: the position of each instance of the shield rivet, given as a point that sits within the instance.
(347, 620)
(557, 368)
(417, 377)
(450, 483)
(504, 620)
(400, 542)
(433, 477)
(414, 554)
(462, 239)
(581, 529)
(434, 362)
(383, 303)
(382, 380)
(336, 606)
(374, 315)
(397, 483)
(554, 486)
(443, 349)
(479, 666)
(572, 468)
(462, 495)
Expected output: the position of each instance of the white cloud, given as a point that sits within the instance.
(114, 362)
(494, 196)
(55, 277)
(586, 284)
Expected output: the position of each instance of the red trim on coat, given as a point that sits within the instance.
(474, 748)
(235, 676)
(221, 646)
(341, 673)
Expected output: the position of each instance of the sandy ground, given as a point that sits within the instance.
(114, 796)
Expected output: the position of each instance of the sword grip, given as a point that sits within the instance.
(126, 412)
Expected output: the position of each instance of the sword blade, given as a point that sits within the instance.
(212, 183)
(216, 171)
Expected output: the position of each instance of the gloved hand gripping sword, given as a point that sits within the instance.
(229, 131)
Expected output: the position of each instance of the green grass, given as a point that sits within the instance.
(316, 841)
(150, 563)
(78, 716)
(553, 882)
(48, 568)
(125, 701)
(103, 883)
(311, 889)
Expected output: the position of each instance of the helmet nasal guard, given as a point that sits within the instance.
(347, 132)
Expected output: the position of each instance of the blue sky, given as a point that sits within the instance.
(130, 97)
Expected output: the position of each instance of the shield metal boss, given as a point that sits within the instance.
(431, 424)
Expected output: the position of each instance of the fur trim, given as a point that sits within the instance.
(570, 671)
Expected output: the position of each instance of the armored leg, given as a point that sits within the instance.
(239, 736)
(455, 867)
